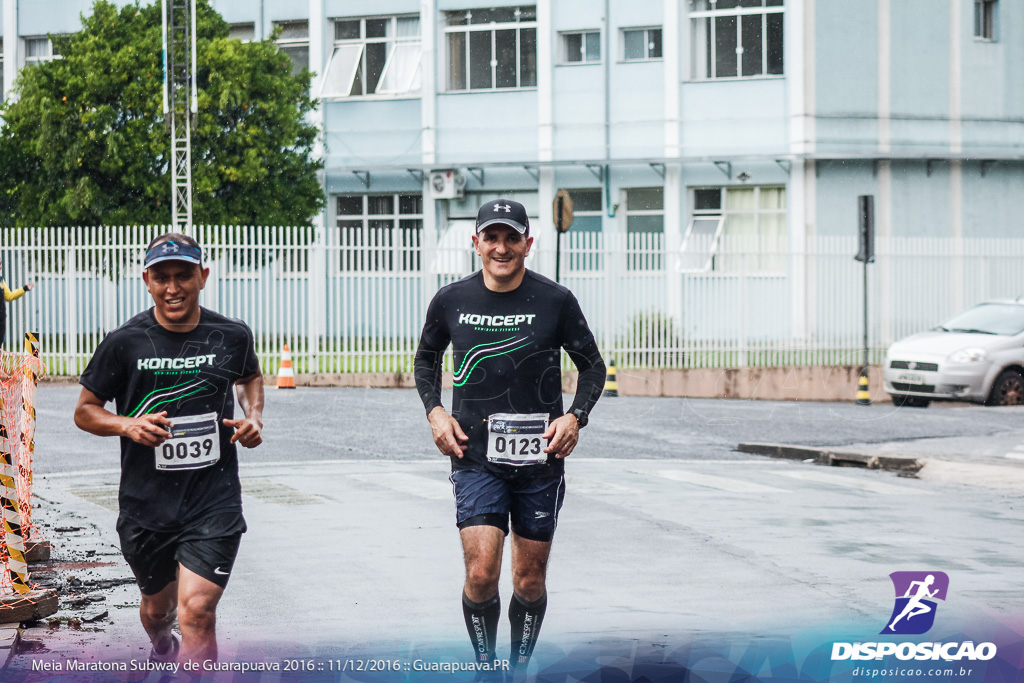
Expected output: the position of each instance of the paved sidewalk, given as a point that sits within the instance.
(996, 461)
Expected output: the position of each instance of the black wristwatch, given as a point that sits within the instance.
(581, 416)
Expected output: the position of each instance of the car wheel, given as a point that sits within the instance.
(1008, 389)
(904, 401)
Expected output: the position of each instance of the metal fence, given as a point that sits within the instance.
(354, 299)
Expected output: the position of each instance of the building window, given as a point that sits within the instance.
(294, 42)
(645, 225)
(490, 49)
(243, 32)
(749, 221)
(639, 44)
(40, 49)
(379, 56)
(985, 19)
(586, 224)
(581, 47)
(736, 38)
(379, 232)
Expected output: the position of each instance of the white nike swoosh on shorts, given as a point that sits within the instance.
(218, 571)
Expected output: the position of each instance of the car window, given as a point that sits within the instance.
(1006, 319)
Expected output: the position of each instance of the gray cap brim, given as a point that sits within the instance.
(518, 227)
(174, 257)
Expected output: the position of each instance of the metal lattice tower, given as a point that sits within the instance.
(180, 102)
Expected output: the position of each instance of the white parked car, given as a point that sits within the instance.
(976, 356)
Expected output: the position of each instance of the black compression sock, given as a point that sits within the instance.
(482, 624)
(526, 618)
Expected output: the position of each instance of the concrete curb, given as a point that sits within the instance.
(824, 456)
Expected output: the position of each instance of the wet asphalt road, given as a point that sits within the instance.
(668, 537)
(328, 424)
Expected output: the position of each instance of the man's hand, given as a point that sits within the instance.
(447, 433)
(248, 432)
(29, 286)
(563, 434)
(149, 430)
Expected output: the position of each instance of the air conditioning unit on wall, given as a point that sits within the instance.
(448, 184)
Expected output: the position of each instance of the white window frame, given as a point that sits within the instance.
(493, 28)
(986, 21)
(42, 58)
(699, 25)
(396, 249)
(355, 48)
(644, 261)
(647, 42)
(691, 260)
(723, 213)
(294, 42)
(563, 48)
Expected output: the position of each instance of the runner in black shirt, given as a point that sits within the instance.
(169, 371)
(508, 433)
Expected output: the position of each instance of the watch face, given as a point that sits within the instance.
(581, 417)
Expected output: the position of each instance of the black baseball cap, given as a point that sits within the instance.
(503, 212)
(173, 251)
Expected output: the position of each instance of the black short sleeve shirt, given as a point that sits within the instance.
(145, 368)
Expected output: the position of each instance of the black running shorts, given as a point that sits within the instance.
(530, 502)
(207, 548)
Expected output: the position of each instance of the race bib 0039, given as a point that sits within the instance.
(194, 443)
(517, 439)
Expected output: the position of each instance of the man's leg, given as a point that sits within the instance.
(529, 595)
(157, 613)
(482, 546)
(197, 615)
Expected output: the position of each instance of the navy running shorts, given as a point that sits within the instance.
(207, 547)
(530, 502)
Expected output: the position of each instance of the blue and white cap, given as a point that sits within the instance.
(503, 212)
(173, 251)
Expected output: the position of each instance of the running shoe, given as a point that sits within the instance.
(170, 656)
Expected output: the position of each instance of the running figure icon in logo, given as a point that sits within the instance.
(914, 591)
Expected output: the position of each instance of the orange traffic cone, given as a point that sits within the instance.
(285, 375)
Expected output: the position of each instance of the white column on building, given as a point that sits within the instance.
(675, 220)
(428, 144)
(11, 45)
(883, 265)
(883, 207)
(800, 81)
(956, 174)
(884, 76)
(547, 235)
(317, 283)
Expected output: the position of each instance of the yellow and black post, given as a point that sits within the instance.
(611, 386)
(863, 395)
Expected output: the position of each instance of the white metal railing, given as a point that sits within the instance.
(354, 300)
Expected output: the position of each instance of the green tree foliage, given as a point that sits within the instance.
(84, 140)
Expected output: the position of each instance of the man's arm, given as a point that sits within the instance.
(249, 430)
(578, 341)
(91, 416)
(434, 340)
(11, 295)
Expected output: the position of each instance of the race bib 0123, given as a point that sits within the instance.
(194, 443)
(514, 439)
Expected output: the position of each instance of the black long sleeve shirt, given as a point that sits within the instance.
(506, 356)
